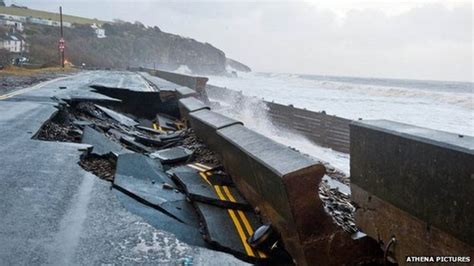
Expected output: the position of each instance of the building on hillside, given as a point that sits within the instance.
(13, 43)
(18, 26)
(100, 32)
(34, 20)
(48, 22)
(13, 17)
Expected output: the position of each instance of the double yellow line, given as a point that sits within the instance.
(157, 127)
(224, 194)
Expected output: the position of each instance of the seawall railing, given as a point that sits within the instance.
(323, 129)
(194, 82)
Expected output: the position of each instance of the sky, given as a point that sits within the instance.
(414, 39)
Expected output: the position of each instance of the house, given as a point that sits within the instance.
(13, 43)
(48, 22)
(33, 20)
(13, 17)
(98, 31)
(18, 26)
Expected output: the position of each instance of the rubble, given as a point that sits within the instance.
(101, 166)
(172, 155)
(143, 184)
(60, 128)
(339, 206)
(202, 154)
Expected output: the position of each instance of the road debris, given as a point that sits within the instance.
(101, 166)
(163, 172)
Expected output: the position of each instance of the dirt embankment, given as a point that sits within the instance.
(14, 78)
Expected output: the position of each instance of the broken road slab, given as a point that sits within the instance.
(144, 179)
(121, 118)
(184, 232)
(199, 188)
(133, 145)
(149, 130)
(154, 141)
(172, 155)
(229, 229)
(161, 84)
(166, 123)
(101, 144)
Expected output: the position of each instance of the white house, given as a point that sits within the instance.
(16, 24)
(98, 31)
(13, 17)
(13, 43)
(48, 22)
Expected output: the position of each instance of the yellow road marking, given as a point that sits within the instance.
(232, 213)
(205, 178)
(237, 225)
(158, 128)
(179, 125)
(196, 167)
(203, 166)
(243, 217)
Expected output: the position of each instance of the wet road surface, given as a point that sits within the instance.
(54, 212)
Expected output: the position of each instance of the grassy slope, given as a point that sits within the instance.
(47, 15)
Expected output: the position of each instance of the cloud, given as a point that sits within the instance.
(415, 39)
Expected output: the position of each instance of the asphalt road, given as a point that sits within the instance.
(54, 212)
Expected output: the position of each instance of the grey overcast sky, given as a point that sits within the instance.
(418, 39)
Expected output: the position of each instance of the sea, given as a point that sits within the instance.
(440, 105)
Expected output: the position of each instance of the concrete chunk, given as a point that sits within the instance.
(101, 144)
(198, 189)
(121, 118)
(172, 155)
(166, 122)
(143, 178)
(221, 229)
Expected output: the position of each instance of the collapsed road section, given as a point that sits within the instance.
(209, 180)
(162, 172)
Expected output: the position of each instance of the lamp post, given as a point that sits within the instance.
(62, 43)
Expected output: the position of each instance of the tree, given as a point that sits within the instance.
(2, 3)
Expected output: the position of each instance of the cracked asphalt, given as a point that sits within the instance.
(55, 213)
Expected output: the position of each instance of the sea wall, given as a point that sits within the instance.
(325, 130)
(414, 184)
(282, 184)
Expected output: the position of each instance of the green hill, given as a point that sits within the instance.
(47, 15)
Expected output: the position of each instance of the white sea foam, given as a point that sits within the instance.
(253, 113)
(183, 69)
(441, 110)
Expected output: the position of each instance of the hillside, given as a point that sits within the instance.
(47, 15)
(127, 44)
(233, 64)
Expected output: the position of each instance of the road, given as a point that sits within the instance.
(55, 213)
